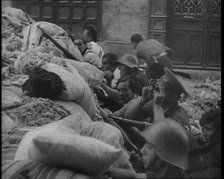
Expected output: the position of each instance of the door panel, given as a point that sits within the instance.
(194, 32)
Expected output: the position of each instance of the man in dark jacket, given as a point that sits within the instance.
(143, 108)
(205, 162)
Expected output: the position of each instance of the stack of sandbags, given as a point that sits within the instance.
(11, 48)
(91, 74)
(14, 20)
(35, 57)
(78, 88)
(33, 36)
(76, 143)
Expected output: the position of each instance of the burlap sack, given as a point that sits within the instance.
(85, 154)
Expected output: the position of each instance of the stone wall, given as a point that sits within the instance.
(121, 19)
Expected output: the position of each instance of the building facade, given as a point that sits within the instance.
(192, 28)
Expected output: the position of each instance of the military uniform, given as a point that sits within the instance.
(174, 112)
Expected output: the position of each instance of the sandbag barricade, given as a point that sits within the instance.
(79, 126)
(33, 35)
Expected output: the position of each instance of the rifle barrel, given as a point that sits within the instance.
(131, 121)
(66, 52)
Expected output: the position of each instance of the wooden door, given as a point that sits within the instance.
(194, 33)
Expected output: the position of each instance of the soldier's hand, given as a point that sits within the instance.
(159, 96)
(108, 74)
(147, 94)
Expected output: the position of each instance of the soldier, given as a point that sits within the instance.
(89, 56)
(166, 149)
(173, 89)
(156, 55)
(205, 162)
(110, 67)
(135, 40)
(90, 36)
(128, 66)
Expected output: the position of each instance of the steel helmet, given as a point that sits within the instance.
(170, 141)
(129, 60)
(148, 48)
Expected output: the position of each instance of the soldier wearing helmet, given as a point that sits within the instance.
(156, 55)
(128, 66)
(166, 149)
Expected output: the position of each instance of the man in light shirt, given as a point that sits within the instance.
(90, 36)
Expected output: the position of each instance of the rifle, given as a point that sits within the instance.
(131, 122)
(126, 139)
(65, 51)
(183, 74)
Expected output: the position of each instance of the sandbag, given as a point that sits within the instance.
(104, 132)
(74, 108)
(110, 135)
(34, 170)
(29, 60)
(77, 90)
(80, 124)
(11, 48)
(7, 123)
(11, 96)
(32, 58)
(71, 124)
(32, 37)
(85, 154)
(15, 17)
(91, 74)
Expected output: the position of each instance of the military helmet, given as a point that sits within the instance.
(129, 60)
(170, 141)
